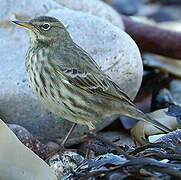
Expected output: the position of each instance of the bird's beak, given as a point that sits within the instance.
(24, 24)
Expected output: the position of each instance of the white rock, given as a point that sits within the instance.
(95, 7)
(107, 44)
(25, 9)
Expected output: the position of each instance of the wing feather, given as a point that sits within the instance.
(99, 84)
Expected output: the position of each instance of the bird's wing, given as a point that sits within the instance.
(94, 83)
(79, 68)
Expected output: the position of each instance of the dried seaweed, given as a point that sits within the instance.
(153, 161)
(175, 111)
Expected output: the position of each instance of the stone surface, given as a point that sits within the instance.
(175, 89)
(95, 7)
(126, 7)
(65, 163)
(18, 162)
(159, 12)
(25, 9)
(111, 48)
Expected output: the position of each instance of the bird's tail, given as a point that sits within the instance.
(139, 115)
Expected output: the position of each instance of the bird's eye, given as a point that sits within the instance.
(46, 27)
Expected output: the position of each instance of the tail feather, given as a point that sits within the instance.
(157, 124)
(139, 115)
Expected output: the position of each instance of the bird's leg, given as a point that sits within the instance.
(61, 147)
(90, 142)
(68, 135)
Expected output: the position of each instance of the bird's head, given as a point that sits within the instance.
(45, 29)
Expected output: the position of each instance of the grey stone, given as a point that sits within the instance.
(111, 48)
(175, 89)
(126, 7)
(159, 12)
(64, 163)
(25, 9)
(95, 7)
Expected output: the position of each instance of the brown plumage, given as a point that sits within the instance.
(68, 81)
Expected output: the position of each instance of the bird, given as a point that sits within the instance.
(68, 81)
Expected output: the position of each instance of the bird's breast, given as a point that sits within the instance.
(46, 85)
(37, 70)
